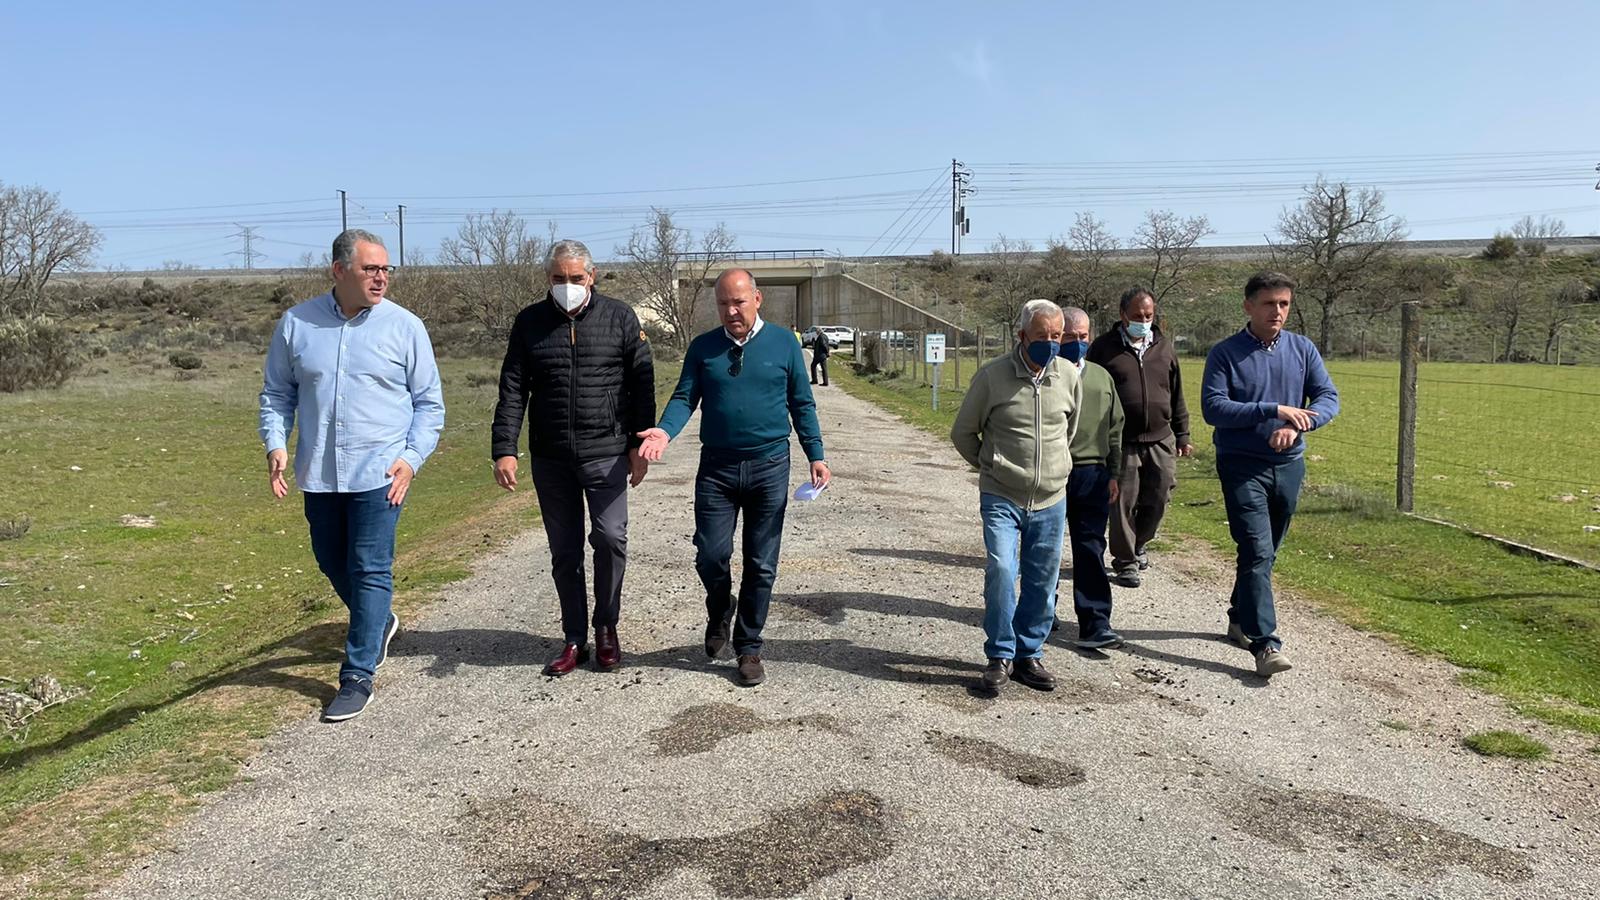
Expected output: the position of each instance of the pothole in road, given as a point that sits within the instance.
(1330, 821)
(701, 728)
(1026, 768)
(535, 848)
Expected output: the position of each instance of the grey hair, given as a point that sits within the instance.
(569, 249)
(729, 273)
(1074, 314)
(1033, 309)
(344, 246)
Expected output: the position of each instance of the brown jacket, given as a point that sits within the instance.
(1151, 389)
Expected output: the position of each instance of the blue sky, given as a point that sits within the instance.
(837, 117)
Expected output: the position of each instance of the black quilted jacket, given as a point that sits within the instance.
(585, 384)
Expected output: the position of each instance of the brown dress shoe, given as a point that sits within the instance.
(717, 633)
(1032, 673)
(572, 656)
(607, 652)
(751, 672)
(996, 674)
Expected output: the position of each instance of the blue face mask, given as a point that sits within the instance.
(1138, 330)
(1041, 352)
(1075, 351)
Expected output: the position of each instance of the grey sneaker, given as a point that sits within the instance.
(1236, 635)
(1271, 661)
(353, 697)
(388, 635)
(1126, 576)
(996, 674)
(1143, 559)
(1106, 638)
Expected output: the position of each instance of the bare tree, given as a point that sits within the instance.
(1010, 272)
(1503, 307)
(1077, 270)
(1335, 241)
(38, 238)
(497, 269)
(1533, 237)
(1563, 306)
(1171, 241)
(1402, 279)
(671, 270)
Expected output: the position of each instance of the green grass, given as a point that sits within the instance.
(233, 625)
(1505, 743)
(1524, 628)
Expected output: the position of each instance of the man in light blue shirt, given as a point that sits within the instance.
(359, 371)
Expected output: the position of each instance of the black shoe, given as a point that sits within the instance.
(388, 635)
(1099, 640)
(751, 672)
(718, 631)
(1032, 673)
(1126, 576)
(353, 697)
(996, 674)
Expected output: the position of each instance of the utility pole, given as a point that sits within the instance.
(248, 235)
(402, 234)
(344, 217)
(959, 223)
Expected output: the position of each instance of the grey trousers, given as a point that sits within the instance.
(1149, 472)
(563, 487)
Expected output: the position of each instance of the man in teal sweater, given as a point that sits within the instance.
(750, 381)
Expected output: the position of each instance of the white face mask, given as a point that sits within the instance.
(1138, 330)
(569, 296)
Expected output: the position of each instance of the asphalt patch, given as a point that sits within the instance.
(1026, 768)
(701, 728)
(1344, 823)
(534, 848)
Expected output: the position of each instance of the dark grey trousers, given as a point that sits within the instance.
(563, 487)
(1149, 472)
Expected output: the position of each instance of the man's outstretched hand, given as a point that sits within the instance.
(655, 444)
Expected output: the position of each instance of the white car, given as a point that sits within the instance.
(837, 334)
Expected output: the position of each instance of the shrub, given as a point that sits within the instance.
(35, 352)
(12, 529)
(482, 379)
(186, 360)
(1504, 246)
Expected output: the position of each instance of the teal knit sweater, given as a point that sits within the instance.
(748, 413)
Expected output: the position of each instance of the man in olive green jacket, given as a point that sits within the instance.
(1092, 489)
(1016, 426)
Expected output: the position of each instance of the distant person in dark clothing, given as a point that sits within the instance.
(1254, 394)
(578, 368)
(1144, 364)
(745, 378)
(820, 350)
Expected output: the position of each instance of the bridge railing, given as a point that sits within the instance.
(754, 255)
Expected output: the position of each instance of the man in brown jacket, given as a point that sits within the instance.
(1144, 366)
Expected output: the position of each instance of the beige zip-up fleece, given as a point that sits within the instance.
(1019, 434)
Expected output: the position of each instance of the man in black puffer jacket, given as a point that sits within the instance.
(578, 368)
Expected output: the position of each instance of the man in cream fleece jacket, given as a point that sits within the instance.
(1016, 427)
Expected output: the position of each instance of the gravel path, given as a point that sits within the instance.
(866, 766)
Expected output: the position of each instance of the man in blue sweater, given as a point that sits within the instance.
(1254, 395)
(750, 381)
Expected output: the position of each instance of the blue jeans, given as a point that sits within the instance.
(1088, 511)
(725, 486)
(1260, 495)
(1026, 544)
(352, 536)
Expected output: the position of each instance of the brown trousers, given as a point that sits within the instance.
(1149, 472)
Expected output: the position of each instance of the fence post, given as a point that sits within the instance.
(1406, 453)
(957, 383)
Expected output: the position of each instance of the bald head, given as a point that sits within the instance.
(738, 302)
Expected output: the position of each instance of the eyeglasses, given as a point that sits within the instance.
(735, 353)
(372, 271)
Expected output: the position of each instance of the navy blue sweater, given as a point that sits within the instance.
(1245, 383)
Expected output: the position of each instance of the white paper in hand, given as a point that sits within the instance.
(809, 491)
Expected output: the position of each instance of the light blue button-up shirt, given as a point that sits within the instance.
(366, 388)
